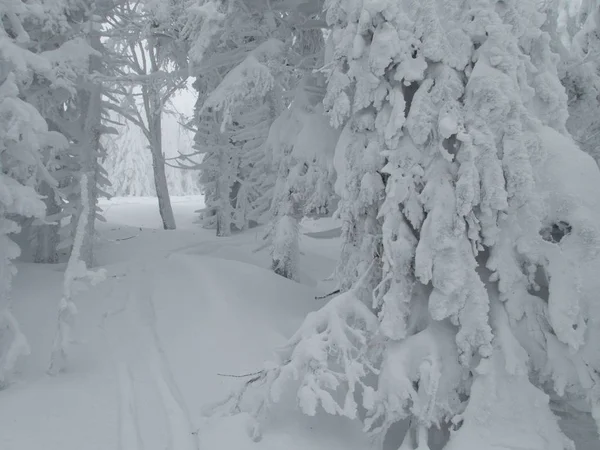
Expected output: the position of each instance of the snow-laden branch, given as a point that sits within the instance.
(330, 357)
(251, 79)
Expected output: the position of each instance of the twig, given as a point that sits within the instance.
(124, 239)
(337, 291)
(240, 376)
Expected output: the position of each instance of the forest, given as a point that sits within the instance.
(453, 305)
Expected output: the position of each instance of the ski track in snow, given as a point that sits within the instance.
(141, 363)
(177, 421)
(129, 432)
(178, 424)
(180, 429)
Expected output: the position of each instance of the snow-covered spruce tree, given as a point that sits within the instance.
(218, 168)
(61, 33)
(244, 170)
(23, 135)
(88, 111)
(261, 175)
(206, 132)
(471, 217)
(242, 64)
(257, 173)
(246, 181)
(245, 141)
(302, 145)
(282, 234)
(577, 38)
(227, 166)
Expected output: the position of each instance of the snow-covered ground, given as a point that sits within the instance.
(143, 211)
(178, 308)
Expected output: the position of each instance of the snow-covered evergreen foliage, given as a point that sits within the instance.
(63, 33)
(302, 143)
(218, 172)
(244, 65)
(264, 173)
(23, 137)
(466, 219)
(577, 38)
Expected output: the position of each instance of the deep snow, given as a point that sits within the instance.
(178, 308)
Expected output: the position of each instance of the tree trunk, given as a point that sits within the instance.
(224, 199)
(47, 235)
(158, 164)
(91, 107)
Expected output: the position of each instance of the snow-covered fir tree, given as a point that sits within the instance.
(62, 32)
(242, 65)
(302, 144)
(206, 136)
(218, 171)
(261, 171)
(577, 39)
(470, 240)
(24, 135)
(240, 160)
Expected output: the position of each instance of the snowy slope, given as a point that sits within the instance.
(178, 308)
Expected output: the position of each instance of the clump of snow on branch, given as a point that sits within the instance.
(251, 79)
(202, 21)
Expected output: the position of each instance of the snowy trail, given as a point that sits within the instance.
(181, 435)
(177, 309)
(138, 354)
(129, 433)
(170, 411)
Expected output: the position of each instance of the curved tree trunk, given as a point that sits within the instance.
(158, 163)
(162, 190)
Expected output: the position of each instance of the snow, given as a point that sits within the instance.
(145, 362)
(143, 211)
